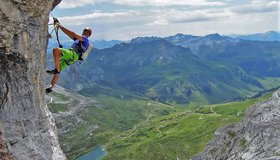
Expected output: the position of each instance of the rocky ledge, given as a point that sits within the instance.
(257, 137)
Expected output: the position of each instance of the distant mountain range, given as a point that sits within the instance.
(267, 36)
(180, 69)
(233, 51)
(195, 42)
(101, 44)
(178, 39)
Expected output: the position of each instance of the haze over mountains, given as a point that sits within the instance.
(267, 36)
(101, 44)
(180, 69)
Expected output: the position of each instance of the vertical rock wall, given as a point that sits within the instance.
(27, 128)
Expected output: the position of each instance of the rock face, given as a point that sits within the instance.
(27, 128)
(256, 138)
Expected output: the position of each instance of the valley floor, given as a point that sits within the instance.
(138, 128)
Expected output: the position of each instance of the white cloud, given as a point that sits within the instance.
(190, 16)
(95, 15)
(159, 22)
(167, 2)
(80, 3)
(182, 16)
(257, 6)
(77, 3)
(164, 17)
(152, 17)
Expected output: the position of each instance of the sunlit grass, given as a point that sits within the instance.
(178, 135)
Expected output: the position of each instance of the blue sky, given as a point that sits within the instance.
(127, 19)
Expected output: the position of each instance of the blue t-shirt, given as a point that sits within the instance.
(81, 46)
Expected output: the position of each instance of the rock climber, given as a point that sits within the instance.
(65, 57)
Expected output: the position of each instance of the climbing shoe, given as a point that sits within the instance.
(53, 72)
(48, 90)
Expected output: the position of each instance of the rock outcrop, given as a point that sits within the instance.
(257, 137)
(27, 128)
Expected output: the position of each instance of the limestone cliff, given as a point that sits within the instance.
(257, 137)
(27, 128)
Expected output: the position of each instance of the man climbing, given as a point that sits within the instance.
(64, 57)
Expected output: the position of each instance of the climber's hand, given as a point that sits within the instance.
(55, 20)
(58, 25)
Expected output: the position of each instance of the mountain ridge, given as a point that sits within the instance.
(195, 42)
(177, 39)
(267, 36)
(147, 66)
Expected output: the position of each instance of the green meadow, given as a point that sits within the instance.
(181, 134)
(134, 127)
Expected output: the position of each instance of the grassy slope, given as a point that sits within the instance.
(178, 135)
(99, 122)
(147, 125)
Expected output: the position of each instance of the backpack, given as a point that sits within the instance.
(84, 56)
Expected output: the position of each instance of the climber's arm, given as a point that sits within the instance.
(70, 33)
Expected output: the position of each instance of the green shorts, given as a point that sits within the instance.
(68, 57)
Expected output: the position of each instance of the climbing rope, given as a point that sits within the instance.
(55, 20)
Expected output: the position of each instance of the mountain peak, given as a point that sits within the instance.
(214, 36)
(194, 42)
(217, 38)
(270, 32)
(144, 39)
(180, 39)
(181, 35)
